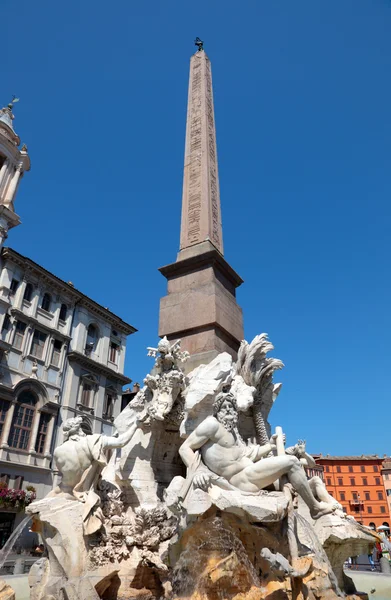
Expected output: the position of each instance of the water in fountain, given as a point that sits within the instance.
(213, 543)
(10, 543)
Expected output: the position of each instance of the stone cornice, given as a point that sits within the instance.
(211, 258)
(62, 287)
(89, 363)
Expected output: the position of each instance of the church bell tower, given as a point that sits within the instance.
(14, 161)
(200, 307)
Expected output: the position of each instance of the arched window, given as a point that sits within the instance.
(22, 420)
(63, 312)
(28, 292)
(372, 525)
(46, 302)
(92, 339)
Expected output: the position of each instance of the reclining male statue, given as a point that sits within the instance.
(224, 453)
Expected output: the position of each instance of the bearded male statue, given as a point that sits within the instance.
(249, 468)
(80, 460)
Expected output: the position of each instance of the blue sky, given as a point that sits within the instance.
(302, 100)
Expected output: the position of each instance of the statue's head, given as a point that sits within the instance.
(225, 408)
(72, 427)
(164, 346)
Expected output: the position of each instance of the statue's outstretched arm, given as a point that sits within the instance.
(123, 439)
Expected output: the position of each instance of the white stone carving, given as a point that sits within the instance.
(138, 523)
(168, 379)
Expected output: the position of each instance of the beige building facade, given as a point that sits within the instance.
(61, 355)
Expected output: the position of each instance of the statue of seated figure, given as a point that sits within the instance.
(247, 468)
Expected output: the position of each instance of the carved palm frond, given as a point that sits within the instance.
(257, 370)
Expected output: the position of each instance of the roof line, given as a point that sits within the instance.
(10, 252)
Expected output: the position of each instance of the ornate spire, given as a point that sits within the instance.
(201, 212)
(7, 116)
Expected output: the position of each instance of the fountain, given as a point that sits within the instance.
(10, 543)
(194, 497)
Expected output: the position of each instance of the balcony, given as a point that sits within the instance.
(356, 502)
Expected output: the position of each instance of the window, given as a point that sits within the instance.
(4, 478)
(4, 406)
(56, 354)
(362, 468)
(18, 482)
(375, 468)
(108, 408)
(38, 343)
(113, 351)
(350, 469)
(28, 292)
(344, 509)
(42, 432)
(92, 338)
(342, 495)
(63, 312)
(388, 492)
(86, 393)
(380, 496)
(354, 495)
(14, 286)
(377, 480)
(339, 480)
(338, 469)
(22, 421)
(352, 481)
(367, 495)
(20, 329)
(328, 481)
(327, 469)
(364, 481)
(369, 508)
(5, 327)
(46, 302)
(386, 476)
(382, 509)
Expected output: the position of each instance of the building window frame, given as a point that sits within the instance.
(38, 344)
(46, 302)
(63, 312)
(55, 359)
(19, 334)
(28, 292)
(22, 420)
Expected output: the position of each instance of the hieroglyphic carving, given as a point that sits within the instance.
(202, 219)
(194, 192)
(213, 175)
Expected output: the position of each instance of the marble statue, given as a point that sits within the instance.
(249, 468)
(80, 460)
(244, 522)
(317, 486)
(167, 380)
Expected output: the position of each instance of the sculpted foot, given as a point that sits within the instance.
(323, 509)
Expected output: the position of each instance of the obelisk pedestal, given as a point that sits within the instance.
(200, 307)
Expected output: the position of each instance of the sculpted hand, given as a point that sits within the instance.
(202, 481)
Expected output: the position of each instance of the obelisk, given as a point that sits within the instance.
(200, 307)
